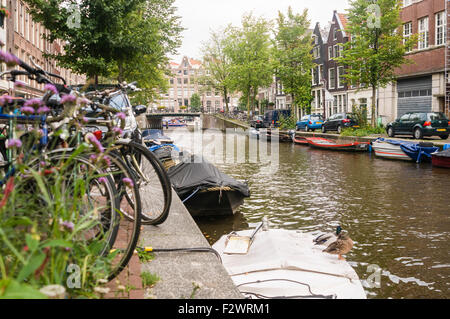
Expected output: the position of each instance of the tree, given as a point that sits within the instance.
(196, 103)
(248, 48)
(293, 58)
(376, 47)
(120, 38)
(217, 65)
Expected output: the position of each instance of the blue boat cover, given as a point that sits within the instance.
(413, 150)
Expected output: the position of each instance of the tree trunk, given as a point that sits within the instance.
(374, 103)
(225, 94)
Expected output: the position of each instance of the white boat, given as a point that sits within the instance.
(389, 151)
(286, 264)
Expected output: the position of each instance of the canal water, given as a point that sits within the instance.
(397, 213)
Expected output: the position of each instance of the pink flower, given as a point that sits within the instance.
(9, 59)
(118, 131)
(121, 116)
(19, 84)
(51, 88)
(27, 110)
(68, 99)
(14, 143)
(128, 182)
(103, 180)
(5, 99)
(84, 101)
(68, 225)
(35, 103)
(95, 142)
(43, 110)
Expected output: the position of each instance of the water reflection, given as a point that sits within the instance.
(397, 213)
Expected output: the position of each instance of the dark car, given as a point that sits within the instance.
(340, 121)
(420, 124)
(272, 118)
(257, 122)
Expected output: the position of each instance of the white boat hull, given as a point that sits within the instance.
(390, 151)
(287, 264)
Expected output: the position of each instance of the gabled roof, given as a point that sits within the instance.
(342, 20)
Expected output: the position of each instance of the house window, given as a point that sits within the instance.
(407, 3)
(330, 53)
(407, 33)
(341, 77)
(440, 28)
(320, 70)
(316, 52)
(335, 34)
(423, 33)
(331, 78)
(178, 80)
(185, 80)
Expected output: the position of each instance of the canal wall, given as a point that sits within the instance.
(184, 275)
(220, 123)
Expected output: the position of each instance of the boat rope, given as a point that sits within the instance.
(295, 269)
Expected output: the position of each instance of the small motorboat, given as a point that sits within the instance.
(299, 140)
(403, 150)
(441, 159)
(205, 190)
(176, 123)
(285, 264)
(153, 137)
(322, 143)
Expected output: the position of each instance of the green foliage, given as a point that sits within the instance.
(217, 65)
(287, 122)
(248, 48)
(149, 279)
(294, 61)
(196, 103)
(123, 39)
(364, 131)
(376, 48)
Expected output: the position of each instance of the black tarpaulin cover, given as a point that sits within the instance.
(445, 153)
(199, 174)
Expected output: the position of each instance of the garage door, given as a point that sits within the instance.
(414, 95)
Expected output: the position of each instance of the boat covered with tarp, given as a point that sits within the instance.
(322, 143)
(286, 264)
(205, 190)
(403, 150)
(441, 159)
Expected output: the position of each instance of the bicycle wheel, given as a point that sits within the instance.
(153, 181)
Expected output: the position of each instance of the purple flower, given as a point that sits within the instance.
(102, 180)
(19, 84)
(5, 99)
(14, 143)
(27, 110)
(51, 88)
(35, 103)
(8, 58)
(93, 158)
(128, 182)
(68, 99)
(43, 110)
(107, 161)
(121, 116)
(68, 225)
(118, 131)
(85, 120)
(95, 142)
(43, 164)
(84, 101)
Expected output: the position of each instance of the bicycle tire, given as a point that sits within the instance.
(151, 188)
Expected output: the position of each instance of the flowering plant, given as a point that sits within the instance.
(4, 12)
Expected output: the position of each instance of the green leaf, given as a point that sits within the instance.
(57, 243)
(32, 244)
(33, 263)
(11, 289)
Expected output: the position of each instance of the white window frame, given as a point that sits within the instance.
(340, 85)
(407, 32)
(331, 84)
(440, 21)
(423, 33)
(330, 52)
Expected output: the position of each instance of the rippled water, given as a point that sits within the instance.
(397, 213)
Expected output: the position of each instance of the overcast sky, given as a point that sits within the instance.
(201, 16)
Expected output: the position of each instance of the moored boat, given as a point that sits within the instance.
(286, 264)
(441, 159)
(205, 190)
(299, 140)
(403, 150)
(322, 143)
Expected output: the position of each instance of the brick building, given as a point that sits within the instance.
(23, 37)
(183, 84)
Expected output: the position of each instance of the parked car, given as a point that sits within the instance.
(310, 123)
(257, 122)
(340, 121)
(420, 124)
(272, 118)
